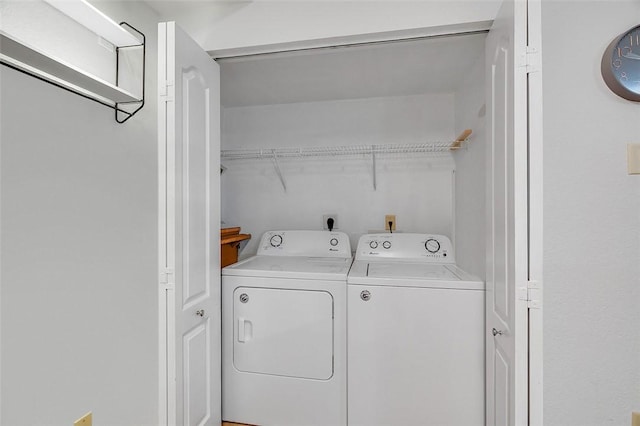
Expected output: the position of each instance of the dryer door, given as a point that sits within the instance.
(283, 332)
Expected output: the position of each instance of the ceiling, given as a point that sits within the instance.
(431, 65)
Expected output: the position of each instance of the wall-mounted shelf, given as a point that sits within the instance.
(88, 16)
(275, 154)
(30, 60)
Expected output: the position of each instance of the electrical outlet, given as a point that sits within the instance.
(85, 420)
(390, 218)
(635, 419)
(326, 217)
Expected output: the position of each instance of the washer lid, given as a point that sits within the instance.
(315, 268)
(412, 274)
(411, 270)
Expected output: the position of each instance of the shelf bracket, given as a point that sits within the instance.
(117, 108)
(373, 164)
(460, 139)
(276, 166)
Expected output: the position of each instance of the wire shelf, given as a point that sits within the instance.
(335, 151)
(371, 151)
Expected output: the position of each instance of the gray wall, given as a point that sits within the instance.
(79, 248)
(591, 222)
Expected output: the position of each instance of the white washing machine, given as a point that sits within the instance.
(415, 334)
(284, 331)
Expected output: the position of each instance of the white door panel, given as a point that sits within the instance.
(197, 395)
(195, 187)
(189, 214)
(507, 219)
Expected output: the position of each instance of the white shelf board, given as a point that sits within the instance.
(90, 17)
(32, 60)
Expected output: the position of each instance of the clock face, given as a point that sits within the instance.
(621, 65)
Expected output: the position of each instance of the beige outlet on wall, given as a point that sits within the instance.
(390, 218)
(635, 419)
(85, 420)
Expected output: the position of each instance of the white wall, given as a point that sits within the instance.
(79, 229)
(470, 173)
(224, 25)
(591, 222)
(418, 189)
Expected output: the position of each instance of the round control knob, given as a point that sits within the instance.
(334, 242)
(276, 240)
(432, 245)
(373, 244)
(386, 244)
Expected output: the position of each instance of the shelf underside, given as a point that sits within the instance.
(31, 60)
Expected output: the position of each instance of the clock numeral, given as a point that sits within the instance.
(620, 65)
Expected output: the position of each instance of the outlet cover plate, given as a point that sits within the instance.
(390, 218)
(633, 158)
(86, 420)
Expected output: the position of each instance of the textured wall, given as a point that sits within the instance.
(591, 222)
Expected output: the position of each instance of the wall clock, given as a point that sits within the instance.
(621, 65)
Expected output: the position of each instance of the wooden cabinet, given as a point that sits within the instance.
(230, 239)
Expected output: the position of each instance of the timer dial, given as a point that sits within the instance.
(386, 244)
(373, 244)
(276, 240)
(334, 242)
(432, 245)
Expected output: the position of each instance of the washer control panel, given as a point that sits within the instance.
(405, 246)
(305, 243)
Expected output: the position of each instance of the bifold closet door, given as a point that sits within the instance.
(189, 236)
(508, 63)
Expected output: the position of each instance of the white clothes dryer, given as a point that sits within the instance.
(415, 334)
(284, 331)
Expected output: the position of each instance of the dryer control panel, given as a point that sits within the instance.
(430, 248)
(305, 243)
